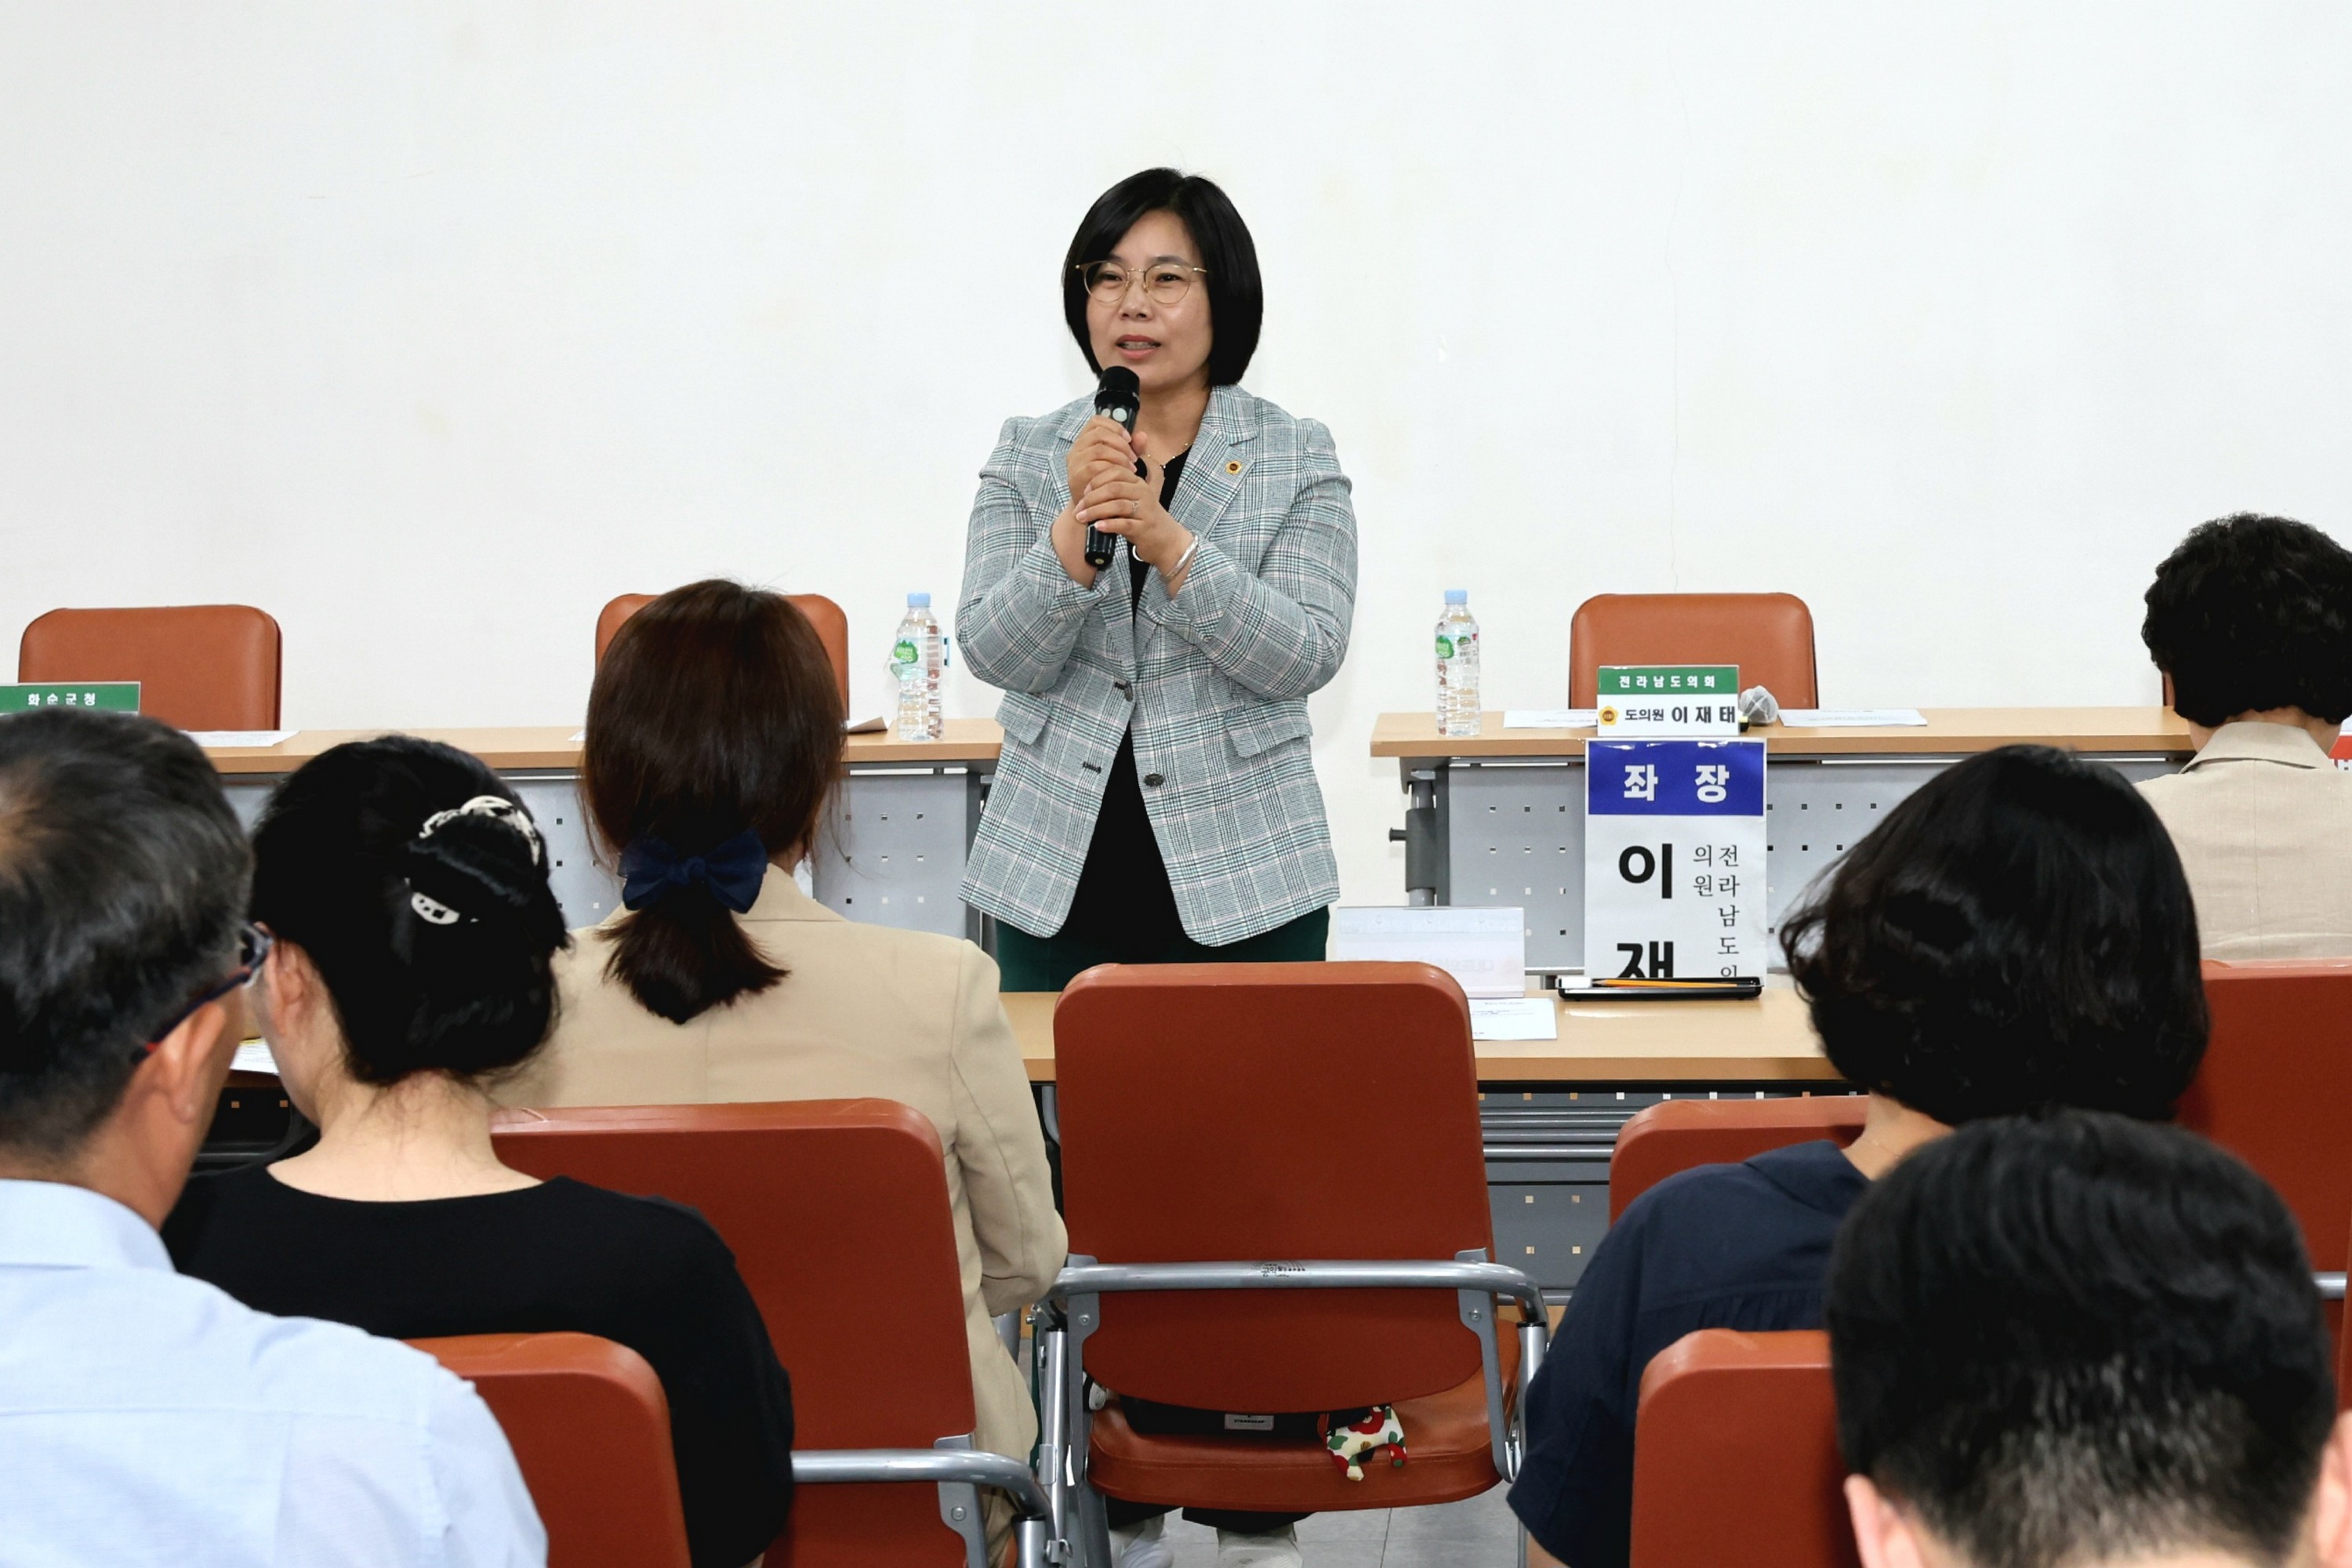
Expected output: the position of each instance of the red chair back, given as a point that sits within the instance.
(590, 1430)
(1224, 1112)
(837, 1214)
(2275, 1088)
(1735, 1440)
(831, 628)
(199, 666)
(1768, 636)
(1676, 1134)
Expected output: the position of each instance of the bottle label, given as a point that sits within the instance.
(903, 652)
(1444, 645)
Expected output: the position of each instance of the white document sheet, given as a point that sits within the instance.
(1850, 718)
(254, 1056)
(220, 737)
(1485, 950)
(1514, 1019)
(1550, 718)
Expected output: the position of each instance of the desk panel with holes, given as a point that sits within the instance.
(1511, 831)
(1548, 1152)
(892, 852)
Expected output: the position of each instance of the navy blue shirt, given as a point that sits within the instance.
(1720, 1246)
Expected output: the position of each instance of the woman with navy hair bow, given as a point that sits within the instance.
(713, 743)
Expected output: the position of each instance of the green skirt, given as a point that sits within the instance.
(1050, 962)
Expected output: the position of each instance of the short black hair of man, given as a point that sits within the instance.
(2016, 932)
(1236, 296)
(2077, 1337)
(2252, 613)
(122, 885)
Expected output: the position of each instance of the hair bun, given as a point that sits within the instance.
(482, 861)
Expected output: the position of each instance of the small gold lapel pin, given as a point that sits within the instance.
(1234, 467)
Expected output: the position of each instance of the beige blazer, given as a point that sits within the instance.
(2263, 819)
(865, 1010)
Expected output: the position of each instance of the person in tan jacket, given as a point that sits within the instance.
(713, 743)
(2251, 622)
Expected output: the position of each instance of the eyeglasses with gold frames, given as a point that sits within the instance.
(1164, 281)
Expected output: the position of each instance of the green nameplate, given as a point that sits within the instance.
(114, 696)
(1668, 700)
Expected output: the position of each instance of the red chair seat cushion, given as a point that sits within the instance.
(1445, 1438)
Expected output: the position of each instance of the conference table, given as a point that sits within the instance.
(1496, 820)
(891, 850)
(1493, 819)
(1766, 1043)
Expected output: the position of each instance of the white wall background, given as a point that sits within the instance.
(430, 327)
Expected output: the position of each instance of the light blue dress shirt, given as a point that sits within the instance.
(145, 1417)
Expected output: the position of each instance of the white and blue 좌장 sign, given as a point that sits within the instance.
(1673, 859)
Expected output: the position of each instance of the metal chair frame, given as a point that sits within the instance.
(960, 1470)
(1072, 1310)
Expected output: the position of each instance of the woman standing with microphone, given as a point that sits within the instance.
(1156, 801)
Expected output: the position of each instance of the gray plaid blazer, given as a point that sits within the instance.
(1214, 682)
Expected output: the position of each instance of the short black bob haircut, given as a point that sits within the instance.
(2252, 613)
(2079, 1338)
(122, 884)
(2017, 932)
(1236, 296)
(461, 983)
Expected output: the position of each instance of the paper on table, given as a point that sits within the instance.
(873, 726)
(254, 1056)
(1850, 718)
(1484, 948)
(221, 738)
(1550, 718)
(1513, 1018)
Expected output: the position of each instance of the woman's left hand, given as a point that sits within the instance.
(1127, 504)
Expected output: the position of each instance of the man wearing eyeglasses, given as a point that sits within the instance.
(145, 1417)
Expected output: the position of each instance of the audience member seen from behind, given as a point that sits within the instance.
(2077, 1340)
(149, 1418)
(2015, 933)
(414, 933)
(714, 740)
(2251, 622)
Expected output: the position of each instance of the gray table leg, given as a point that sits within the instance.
(1423, 840)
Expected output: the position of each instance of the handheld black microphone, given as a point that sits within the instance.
(1120, 396)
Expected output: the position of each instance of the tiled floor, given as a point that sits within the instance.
(1479, 1534)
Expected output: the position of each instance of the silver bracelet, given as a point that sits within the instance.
(1178, 570)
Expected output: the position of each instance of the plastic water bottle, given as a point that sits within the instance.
(917, 655)
(1458, 666)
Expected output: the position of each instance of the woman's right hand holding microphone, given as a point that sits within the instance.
(1103, 445)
